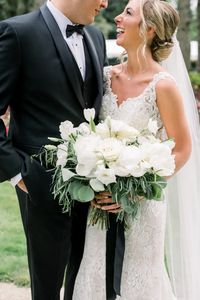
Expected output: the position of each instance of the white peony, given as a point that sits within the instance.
(89, 114)
(128, 161)
(85, 149)
(109, 149)
(66, 128)
(62, 153)
(84, 128)
(159, 158)
(103, 130)
(122, 131)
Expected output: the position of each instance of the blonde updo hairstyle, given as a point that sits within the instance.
(161, 16)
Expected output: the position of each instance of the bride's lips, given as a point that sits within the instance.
(120, 31)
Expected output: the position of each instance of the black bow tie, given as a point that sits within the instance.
(74, 28)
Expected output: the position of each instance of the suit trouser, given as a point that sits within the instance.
(48, 234)
(77, 247)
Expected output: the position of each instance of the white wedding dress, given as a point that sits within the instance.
(144, 275)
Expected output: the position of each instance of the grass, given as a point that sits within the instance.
(13, 259)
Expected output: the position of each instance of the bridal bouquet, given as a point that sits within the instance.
(111, 156)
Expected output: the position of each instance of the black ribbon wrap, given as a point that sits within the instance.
(115, 247)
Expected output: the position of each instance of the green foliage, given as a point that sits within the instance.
(195, 79)
(127, 192)
(103, 25)
(9, 8)
(105, 21)
(193, 28)
(13, 259)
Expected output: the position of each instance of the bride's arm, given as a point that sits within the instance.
(172, 113)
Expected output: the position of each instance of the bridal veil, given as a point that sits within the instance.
(182, 249)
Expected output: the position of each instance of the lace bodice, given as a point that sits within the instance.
(136, 111)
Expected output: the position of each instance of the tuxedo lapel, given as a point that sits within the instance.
(66, 56)
(97, 68)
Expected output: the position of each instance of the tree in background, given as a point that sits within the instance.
(106, 18)
(9, 8)
(198, 35)
(184, 29)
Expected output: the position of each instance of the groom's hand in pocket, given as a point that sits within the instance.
(105, 202)
(22, 186)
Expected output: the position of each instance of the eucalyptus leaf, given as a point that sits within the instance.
(85, 194)
(74, 189)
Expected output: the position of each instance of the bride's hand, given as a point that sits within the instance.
(100, 201)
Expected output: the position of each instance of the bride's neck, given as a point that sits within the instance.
(139, 63)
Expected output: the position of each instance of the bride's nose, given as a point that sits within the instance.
(118, 18)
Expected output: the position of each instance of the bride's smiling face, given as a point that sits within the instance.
(128, 25)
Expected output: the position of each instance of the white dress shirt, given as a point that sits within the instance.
(75, 43)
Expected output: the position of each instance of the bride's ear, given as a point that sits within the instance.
(151, 31)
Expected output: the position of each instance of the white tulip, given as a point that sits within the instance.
(89, 114)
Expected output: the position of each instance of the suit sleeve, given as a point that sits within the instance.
(10, 162)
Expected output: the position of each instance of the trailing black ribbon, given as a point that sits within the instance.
(115, 247)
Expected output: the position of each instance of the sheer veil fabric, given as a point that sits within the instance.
(183, 197)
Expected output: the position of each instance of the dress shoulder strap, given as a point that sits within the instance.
(107, 78)
(160, 76)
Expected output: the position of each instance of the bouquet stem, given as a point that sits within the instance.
(97, 216)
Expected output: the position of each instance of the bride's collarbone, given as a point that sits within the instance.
(126, 89)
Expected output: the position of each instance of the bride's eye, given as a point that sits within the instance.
(129, 12)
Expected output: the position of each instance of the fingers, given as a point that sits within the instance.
(103, 195)
(105, 202)
(22, 186)
(95, 204)
(103, 198)
(111, 207)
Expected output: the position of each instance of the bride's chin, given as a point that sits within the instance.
(119, 42)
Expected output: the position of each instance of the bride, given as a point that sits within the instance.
(135, 91)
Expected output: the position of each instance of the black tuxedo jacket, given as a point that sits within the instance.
(40, 82)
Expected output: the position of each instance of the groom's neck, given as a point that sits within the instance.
(69, 9)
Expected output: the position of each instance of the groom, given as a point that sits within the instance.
(50, 70)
